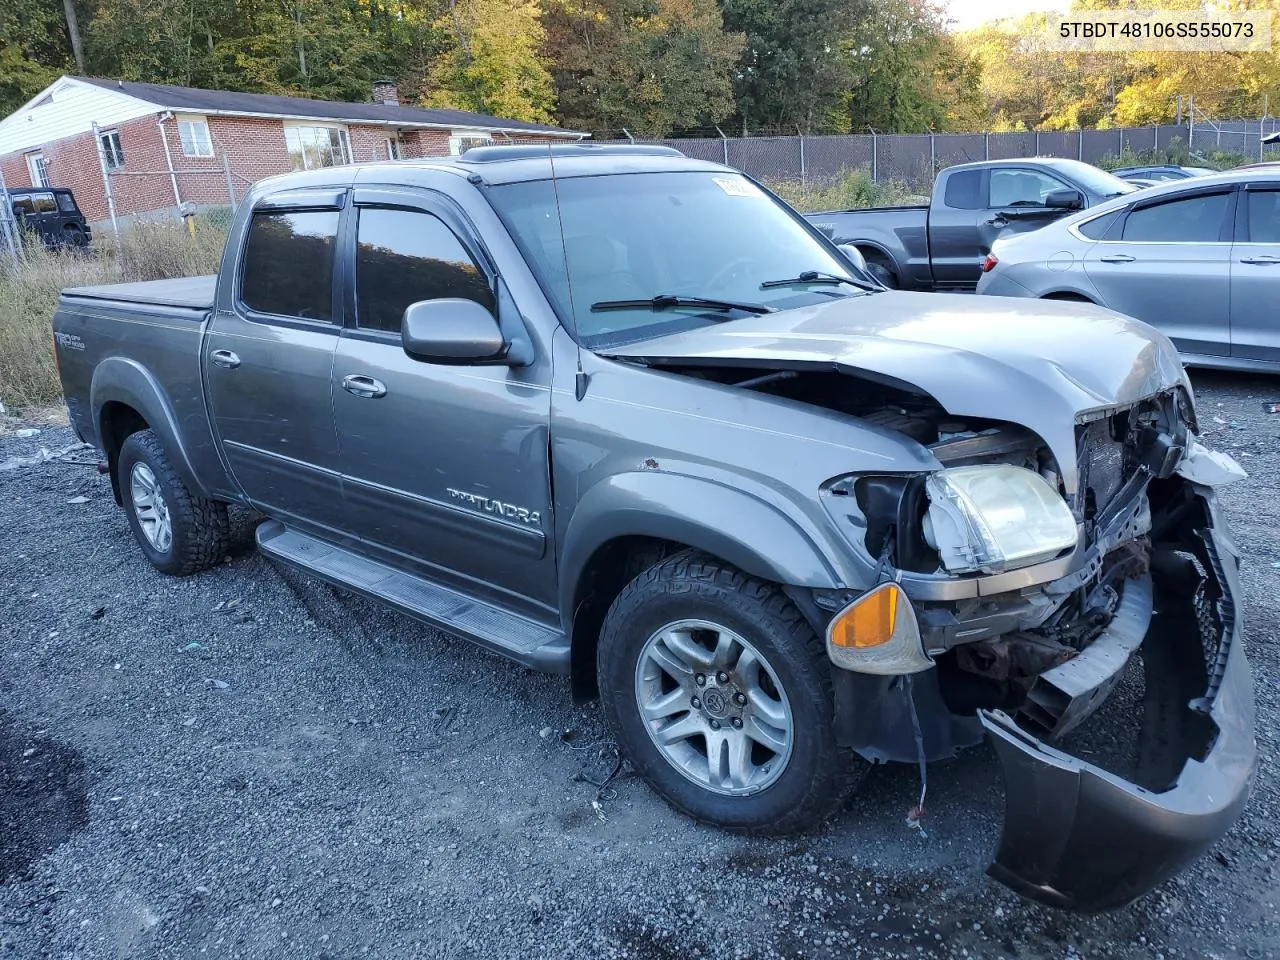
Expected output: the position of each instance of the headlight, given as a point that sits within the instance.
(995, 518)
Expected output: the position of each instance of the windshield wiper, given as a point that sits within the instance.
(814, 276)
(665, 301)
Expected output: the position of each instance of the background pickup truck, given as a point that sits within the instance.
(623, 415)
(941, 246)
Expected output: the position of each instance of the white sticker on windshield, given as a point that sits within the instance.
(736, 187)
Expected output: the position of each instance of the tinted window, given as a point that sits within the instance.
(288, 264)
(43, 203)
(1264, 216)
(964, 190)
(1193, 220)
(1097, 228)
(1021, 188)
(403, 257)
(66, 202)
(23, 205)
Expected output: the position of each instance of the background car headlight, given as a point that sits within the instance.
(994, 518)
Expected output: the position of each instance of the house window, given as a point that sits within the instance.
(38, 169)
(194, 134)
(311, 148)
(459, 145)
(393, 148)
(112, 152)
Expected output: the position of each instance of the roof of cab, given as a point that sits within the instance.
(517, 163)
(523, 162)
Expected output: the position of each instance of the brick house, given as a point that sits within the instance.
(147, 149)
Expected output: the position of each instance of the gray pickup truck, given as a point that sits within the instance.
(623, 415)
(941, 246)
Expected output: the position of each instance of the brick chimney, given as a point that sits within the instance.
(385, 93)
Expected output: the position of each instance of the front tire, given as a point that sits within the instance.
(179, 532)
(719, 692)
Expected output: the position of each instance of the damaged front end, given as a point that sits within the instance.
(1027, 654)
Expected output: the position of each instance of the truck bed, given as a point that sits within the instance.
(193, 293)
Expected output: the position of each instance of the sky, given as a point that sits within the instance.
(971, 13)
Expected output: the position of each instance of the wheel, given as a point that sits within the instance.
(179, 532)
(73, 236)
(882, 271)
(719, 692)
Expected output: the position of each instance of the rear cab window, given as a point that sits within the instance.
(288, 262)
(964, 190)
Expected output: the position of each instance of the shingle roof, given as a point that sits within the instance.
(226, 101)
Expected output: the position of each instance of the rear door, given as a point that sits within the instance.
(1255, 274)
(955, 244)
(1168, 263)
(268, 359)
(445, 467)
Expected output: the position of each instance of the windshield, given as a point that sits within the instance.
(637, 236)
(1099, 182)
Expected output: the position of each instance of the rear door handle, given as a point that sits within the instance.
(363, 386)
(1261, 261)
(225, 358)
(1117, 258)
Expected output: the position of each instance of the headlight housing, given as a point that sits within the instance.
(993, 518)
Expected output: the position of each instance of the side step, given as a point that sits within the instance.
(518, 638)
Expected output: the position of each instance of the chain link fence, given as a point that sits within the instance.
(1235, 137)
(914, 159)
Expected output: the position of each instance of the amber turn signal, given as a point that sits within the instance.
(870, 621)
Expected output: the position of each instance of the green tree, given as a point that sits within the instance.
(792, 72)
(34, 49)
(495, 64)
(907, 74)
(648, 66)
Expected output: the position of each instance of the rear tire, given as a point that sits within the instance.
(882, 270)
(757, 753)
(179, 532)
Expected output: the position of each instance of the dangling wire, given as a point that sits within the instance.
(915, 816)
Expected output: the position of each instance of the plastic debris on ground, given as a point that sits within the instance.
(43, 456)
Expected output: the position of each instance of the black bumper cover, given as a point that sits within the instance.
(1078, 837)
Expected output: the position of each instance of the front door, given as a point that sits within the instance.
(268, 362)
(1255, 275)
(1170, 267)
(445, 468)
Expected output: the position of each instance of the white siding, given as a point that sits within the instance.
(65, 109)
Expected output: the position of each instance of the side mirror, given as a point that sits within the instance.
(1065, 199)
(451, 331)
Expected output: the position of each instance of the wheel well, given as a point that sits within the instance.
(878, 255)
(116, 422)
(611, 567)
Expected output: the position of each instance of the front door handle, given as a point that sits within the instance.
(1117, 258)
(997, 221)
(1261, 261)
(363, 386)
(225, 358)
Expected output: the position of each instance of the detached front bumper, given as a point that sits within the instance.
(1079, 837)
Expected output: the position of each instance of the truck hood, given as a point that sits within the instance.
(1039, 363)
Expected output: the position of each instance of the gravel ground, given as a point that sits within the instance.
(249, 764)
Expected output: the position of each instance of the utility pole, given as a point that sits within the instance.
(8, 230)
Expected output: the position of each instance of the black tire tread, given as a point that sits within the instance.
(843, 768)
(205, 527)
